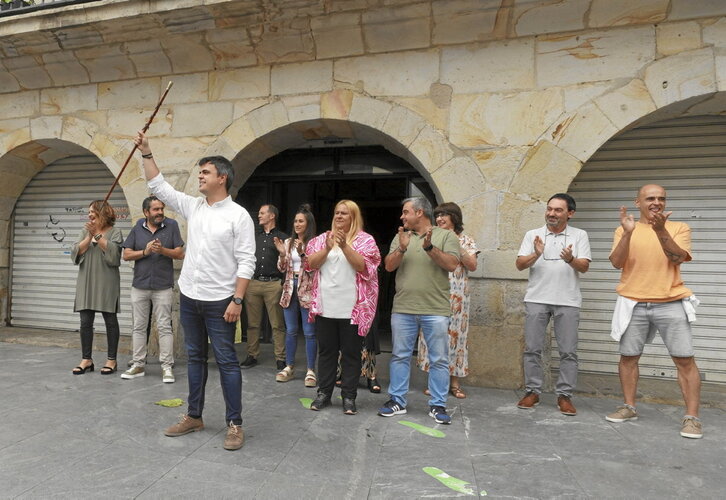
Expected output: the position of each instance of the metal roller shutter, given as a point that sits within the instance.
(48, 218)
(688, 157)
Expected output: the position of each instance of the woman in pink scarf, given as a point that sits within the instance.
(345, 296)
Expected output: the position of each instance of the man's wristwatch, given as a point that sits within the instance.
(237, 300)
(429, 248)
(98, 236)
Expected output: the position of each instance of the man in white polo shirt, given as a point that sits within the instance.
(555, 254)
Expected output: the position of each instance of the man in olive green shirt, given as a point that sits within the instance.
(423, 255)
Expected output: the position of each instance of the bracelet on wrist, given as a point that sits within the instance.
(147, 156)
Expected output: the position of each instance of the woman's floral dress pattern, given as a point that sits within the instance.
(459, 323)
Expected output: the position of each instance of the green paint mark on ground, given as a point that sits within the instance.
(170, 403)
(423, 429)
(306, 402)
(450, 482)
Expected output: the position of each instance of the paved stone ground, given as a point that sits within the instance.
(65, 436)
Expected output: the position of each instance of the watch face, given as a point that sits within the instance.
(237, 301)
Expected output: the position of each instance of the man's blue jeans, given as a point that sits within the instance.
(435, 329)
(201, 320)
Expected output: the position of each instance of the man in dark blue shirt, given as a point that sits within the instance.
(153, 243)
(265, 290)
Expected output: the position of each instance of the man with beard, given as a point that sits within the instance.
(152, 244)
(555, 254)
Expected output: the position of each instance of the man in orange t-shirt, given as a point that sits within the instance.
(650, 252)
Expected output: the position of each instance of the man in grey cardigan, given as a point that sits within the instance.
(219, 262)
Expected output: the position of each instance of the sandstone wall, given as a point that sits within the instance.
(497, 103)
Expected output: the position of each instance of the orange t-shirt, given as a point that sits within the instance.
(648, 275)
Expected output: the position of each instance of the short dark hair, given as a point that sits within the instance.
(223, 166)
(146, 204)
(273, 210)
(454, 211)
(571, 205)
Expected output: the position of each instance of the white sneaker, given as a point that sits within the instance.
(167, 376)
(133, 372)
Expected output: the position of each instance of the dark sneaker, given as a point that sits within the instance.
(281, 365)
(564, 404)
(692, 428)
(391, 408)
(249, 362)
(349, 406)
(235, 437)
(186, 425)
(439, 415)
(320, 402)
(529, 401)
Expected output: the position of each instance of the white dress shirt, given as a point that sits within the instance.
(220, 242)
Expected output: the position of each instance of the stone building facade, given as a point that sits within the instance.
(497, 103)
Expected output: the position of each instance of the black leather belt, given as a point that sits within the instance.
(266, 278)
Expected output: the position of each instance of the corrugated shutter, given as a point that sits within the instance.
(49, 216)
(688, 157)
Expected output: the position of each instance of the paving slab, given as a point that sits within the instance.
(97, 436)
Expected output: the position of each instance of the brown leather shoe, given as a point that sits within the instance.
(529, 401)
(186, 425)
(235, 437)
(565, 406)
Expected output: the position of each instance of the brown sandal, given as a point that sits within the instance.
(457, 392)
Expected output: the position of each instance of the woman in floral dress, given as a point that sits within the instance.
(448, 216)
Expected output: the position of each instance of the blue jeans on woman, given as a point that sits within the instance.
(200, 320)
(292, 312)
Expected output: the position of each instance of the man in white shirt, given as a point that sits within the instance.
(218, 265)
(555, 254)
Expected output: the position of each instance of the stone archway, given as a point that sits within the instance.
(31, 149)
(281, 125)
(682, 84)
(49, 139)
(670, 87)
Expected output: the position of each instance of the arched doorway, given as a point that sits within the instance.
(48, 217)
(370, 175)
(687, 156)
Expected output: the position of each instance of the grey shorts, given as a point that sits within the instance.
(669, 318)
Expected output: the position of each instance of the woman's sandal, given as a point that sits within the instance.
(79, 370)
(374, 386)
(457, 392)
(310, 379)
(108, 370)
